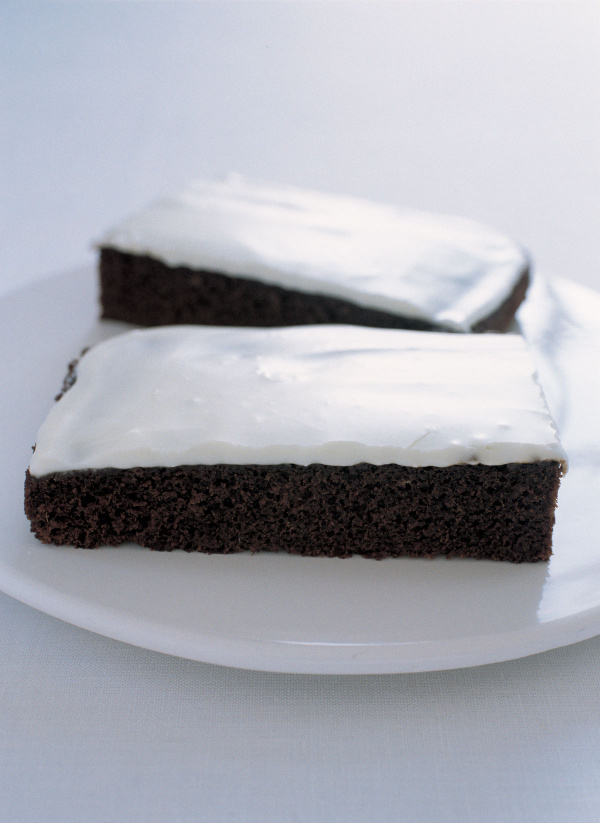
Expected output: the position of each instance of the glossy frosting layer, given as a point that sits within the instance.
(338, 395)
(447, 270)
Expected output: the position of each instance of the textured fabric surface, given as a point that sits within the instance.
(95, 730)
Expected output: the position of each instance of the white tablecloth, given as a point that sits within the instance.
(489, 110)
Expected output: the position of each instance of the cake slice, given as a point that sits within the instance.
(321, 440)
(246, 253)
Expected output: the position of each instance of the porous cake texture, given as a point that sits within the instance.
(495, 512)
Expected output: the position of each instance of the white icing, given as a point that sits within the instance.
(447, 270)
(339, 395)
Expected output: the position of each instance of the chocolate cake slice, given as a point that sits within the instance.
(247, 253)
(317, 440)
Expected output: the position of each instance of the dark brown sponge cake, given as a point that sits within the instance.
(494, 512)
(142, 290)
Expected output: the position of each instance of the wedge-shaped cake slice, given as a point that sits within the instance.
(322, 440)
(247, 253)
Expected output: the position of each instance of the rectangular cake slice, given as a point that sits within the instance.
(323, 440)
(247, 253)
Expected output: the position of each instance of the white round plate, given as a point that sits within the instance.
(313, 615)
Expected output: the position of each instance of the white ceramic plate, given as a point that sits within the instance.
(314, 615)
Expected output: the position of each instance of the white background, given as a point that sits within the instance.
(484, 109)
(487, 109)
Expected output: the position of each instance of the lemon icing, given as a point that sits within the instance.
(338, 395)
